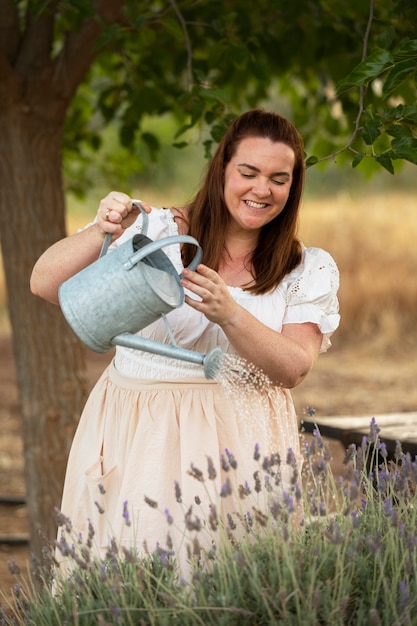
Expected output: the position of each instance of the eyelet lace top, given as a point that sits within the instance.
(307, 294)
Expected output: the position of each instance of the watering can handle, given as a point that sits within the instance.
(144, 230)
(161, 243)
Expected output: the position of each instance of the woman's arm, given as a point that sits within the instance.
(72, 254)
(286, 357)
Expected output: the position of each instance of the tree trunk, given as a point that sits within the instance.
(51, 374)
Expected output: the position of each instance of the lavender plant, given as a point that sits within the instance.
(327, 550)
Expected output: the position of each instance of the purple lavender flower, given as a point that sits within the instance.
(383, 450)
(211, 470)
(196, 473)
(249, 520)
(257, 479)
(289, 501)
(318, 438)
(232, 460)
(388, 507)
(231, 522)
(374, 431)
(356, 520)
(152, 503)
(190, 522)
(350, 454)
(213, 518)
(13, 568)
(244, 490)
(225, 465)
(291, 460)
(99, 508)
(178, 495)
(126, 514)
(404, 597)
(398, 453)
(226, 489)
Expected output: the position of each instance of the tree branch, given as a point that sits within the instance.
(9, 29)
(36, 42)
(78, 53)
(361, 108)
(187, 44)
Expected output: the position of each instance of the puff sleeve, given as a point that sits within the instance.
(310, 292)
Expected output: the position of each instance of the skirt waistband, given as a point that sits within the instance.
(147, 383)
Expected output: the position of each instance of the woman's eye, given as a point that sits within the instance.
(247, 175)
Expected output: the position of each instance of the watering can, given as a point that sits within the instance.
(121, 293)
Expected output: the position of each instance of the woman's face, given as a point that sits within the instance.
(257, 182)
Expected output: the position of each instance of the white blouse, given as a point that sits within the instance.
(307, 294)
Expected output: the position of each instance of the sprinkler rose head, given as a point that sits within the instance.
(212, 363)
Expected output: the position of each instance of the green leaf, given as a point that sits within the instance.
(405, 148)
(312, 160)
(367, 70)
(398, 130)
(183, 129)
(387, 37)
(152, 142)
(370, 132)
(385, 160)
(370, 111)
(217, 132)
(397, 75)
(408, 49)
(127, 135)
(215, 94)
(208, 144)
(357, 159)
(109, 34)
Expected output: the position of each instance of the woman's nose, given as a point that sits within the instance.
(261, 187)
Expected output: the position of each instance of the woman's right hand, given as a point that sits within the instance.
(116, 212)
(72, 254)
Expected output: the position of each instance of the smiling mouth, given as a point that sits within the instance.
(256, 205)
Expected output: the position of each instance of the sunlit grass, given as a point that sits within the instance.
(372, 239)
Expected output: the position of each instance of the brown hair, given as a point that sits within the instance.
(278, 251)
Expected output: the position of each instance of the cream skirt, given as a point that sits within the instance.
(151, 459)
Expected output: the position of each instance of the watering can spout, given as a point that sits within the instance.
(212, 361)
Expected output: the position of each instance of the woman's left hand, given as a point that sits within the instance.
(214, 299)
(286, 356)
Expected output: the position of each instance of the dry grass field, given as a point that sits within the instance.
(371, 367)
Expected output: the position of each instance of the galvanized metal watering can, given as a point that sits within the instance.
(124, 291)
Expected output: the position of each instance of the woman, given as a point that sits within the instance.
(258, 294)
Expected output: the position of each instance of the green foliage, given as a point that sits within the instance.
(347, 71)
(205, 62)
(352, 562)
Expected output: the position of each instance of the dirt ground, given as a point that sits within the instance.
(343, 382)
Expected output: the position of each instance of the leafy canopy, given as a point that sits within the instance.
(344, 69)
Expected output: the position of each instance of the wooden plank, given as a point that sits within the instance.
(12, 499)
(394, 427)
(14, 540)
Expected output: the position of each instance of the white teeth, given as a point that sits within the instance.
(255, 205)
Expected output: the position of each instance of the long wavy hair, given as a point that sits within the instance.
(278, 250)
